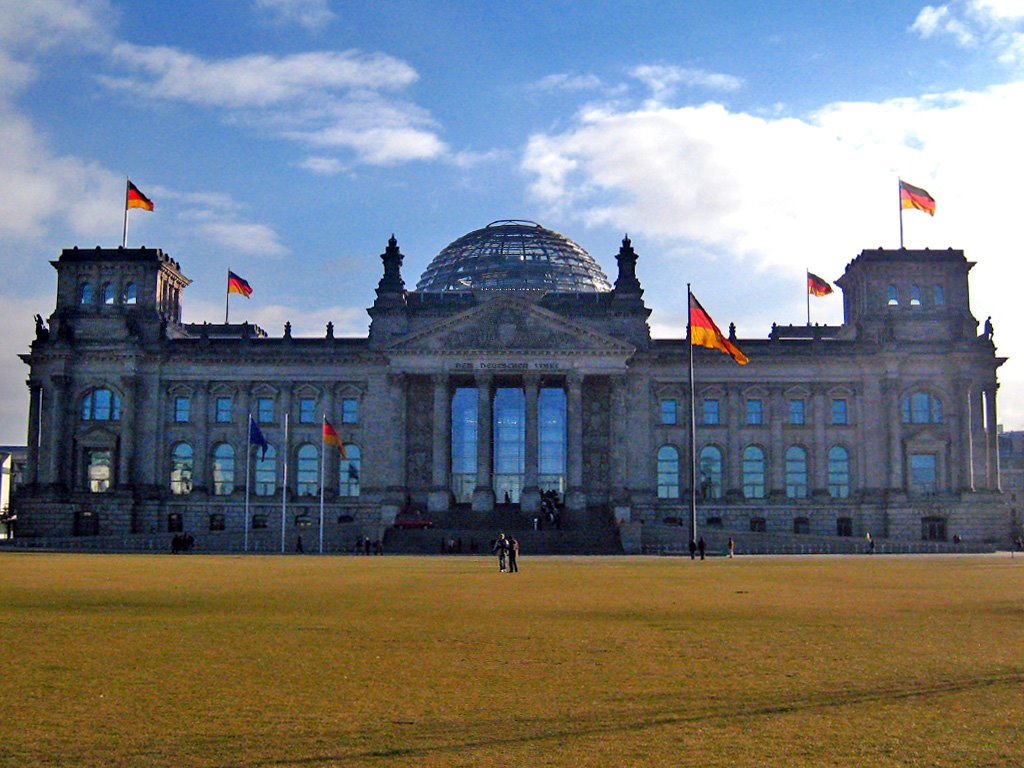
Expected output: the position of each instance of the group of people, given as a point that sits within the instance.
(182, 542)
(548, 512)
(701, 547)
(507, 550)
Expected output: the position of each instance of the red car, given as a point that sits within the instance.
(412, 521)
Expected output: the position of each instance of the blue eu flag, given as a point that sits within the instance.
(256, 437)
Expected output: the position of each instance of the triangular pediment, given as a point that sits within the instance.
(508, 324)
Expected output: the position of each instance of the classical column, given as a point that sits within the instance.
(59, 444)
(35, 392)
(991, 428)
(618, 439)
(819, 453)
(439, 498)
(891, 411)
(529, 499)
(776, 413)
(575, 498)
(732, 417)
(201, 448)
(979, 453)
(960, 438)
(483, 494)
(126, 449)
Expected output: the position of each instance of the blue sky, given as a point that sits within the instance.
(738, 143)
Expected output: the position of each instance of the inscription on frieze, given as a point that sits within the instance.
(489, 365)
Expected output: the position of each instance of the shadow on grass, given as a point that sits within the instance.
(823, 701)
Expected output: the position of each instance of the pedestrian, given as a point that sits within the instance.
(298, 544)
(513, 556)
(501, 548)
(732, 547)
(702, 546)
(693, 548)
(870, 541)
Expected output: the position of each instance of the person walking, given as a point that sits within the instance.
(501, 547)
(702, 547)
(693, 548)
(513, 556)
(732, 547)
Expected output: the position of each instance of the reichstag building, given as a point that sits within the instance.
(516, 379)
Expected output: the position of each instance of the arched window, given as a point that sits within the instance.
(838, 472)
(223, 470)
(938, 295)
(101, 405)
(668, 472)
(181, 469)
(710, 473)
(308, 470)
(108, 293)
(265, 472)
(753, 472)
(894, 296)
(130, 294)
(796, 473)
(915, 296)
(85, 294)
(921, 408)
(349, 471)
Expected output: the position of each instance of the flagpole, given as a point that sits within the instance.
(284, 483)
(807, 290)
(227, 296)
(899, 189)
(248, 459)
(124, 236)
(693, 422)
(323, 461)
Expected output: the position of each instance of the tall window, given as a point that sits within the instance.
(265, 410)
(85, 293)
(894, 296)
(223, 406)
(938, 295)
(921, 408)
(349, 410)
(509, 442)
(552, 440)
(668, 472)
(307, 410)
(755, 411)
(838, 472)
(797, 411)
(182, 406)
(668, 411)
(130, 294)
(99, 470)
(265, 472)
(915, 296)
(108, 293)
(711, 411)
(840, 414)
(796, 472)
(710, 472)
(349, 471)
(101, 405)
(223, 470)
(933, 528)
(923, 473)
(753, 472)
(464, 403)
(181, 469)
(307, 474)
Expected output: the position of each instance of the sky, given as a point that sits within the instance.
(738, 143)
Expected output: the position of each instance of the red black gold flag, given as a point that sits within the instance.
(331, 437)
(704, 333)
(136, 199)
(238, 285)
(915, 197)
(816, 286)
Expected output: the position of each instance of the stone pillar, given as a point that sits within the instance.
(35, 392)
(396, 484)
(439, 498)
(776, 412)
(201, 458)
(483, 494)
(529, 500)
(891, 414)
(979, 454)
(960, 438)
(819, 453)
(126, 447)
(575, 497)
(618, 450)
(732, 417)
(991, 428)
(58, 439)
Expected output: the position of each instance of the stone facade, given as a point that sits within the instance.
(138, 423)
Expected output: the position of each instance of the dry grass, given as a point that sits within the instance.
(307, 661)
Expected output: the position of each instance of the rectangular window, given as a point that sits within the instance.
(223, 414)
(839, 411)
(712, 415)
(923, 473)
(797, 412)
(182, 406)
(265, 410)
(668, 411)
(939, 296)
(755, 411)
(307, 410)
(349, 411)
(217, 522)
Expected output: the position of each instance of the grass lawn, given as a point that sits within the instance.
(153, 660)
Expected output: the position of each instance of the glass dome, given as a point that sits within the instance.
(514, 255)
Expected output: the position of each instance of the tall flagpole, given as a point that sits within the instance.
(807, 290)
(124, 236)
(248, 459)
(227, 297)
(284, 483)
(323, 461)
(899, 187)
(693, 421)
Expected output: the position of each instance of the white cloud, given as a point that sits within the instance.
(311, 14)
(44, 24)
(244, 238)
(567, 82)
(664, 80)
(323, 166)
(996, 25)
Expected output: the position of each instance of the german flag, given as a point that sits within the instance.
(915, 197)
(331, 437)
(704, 333)
(135, 198)
(237, 285)
(816, 286)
